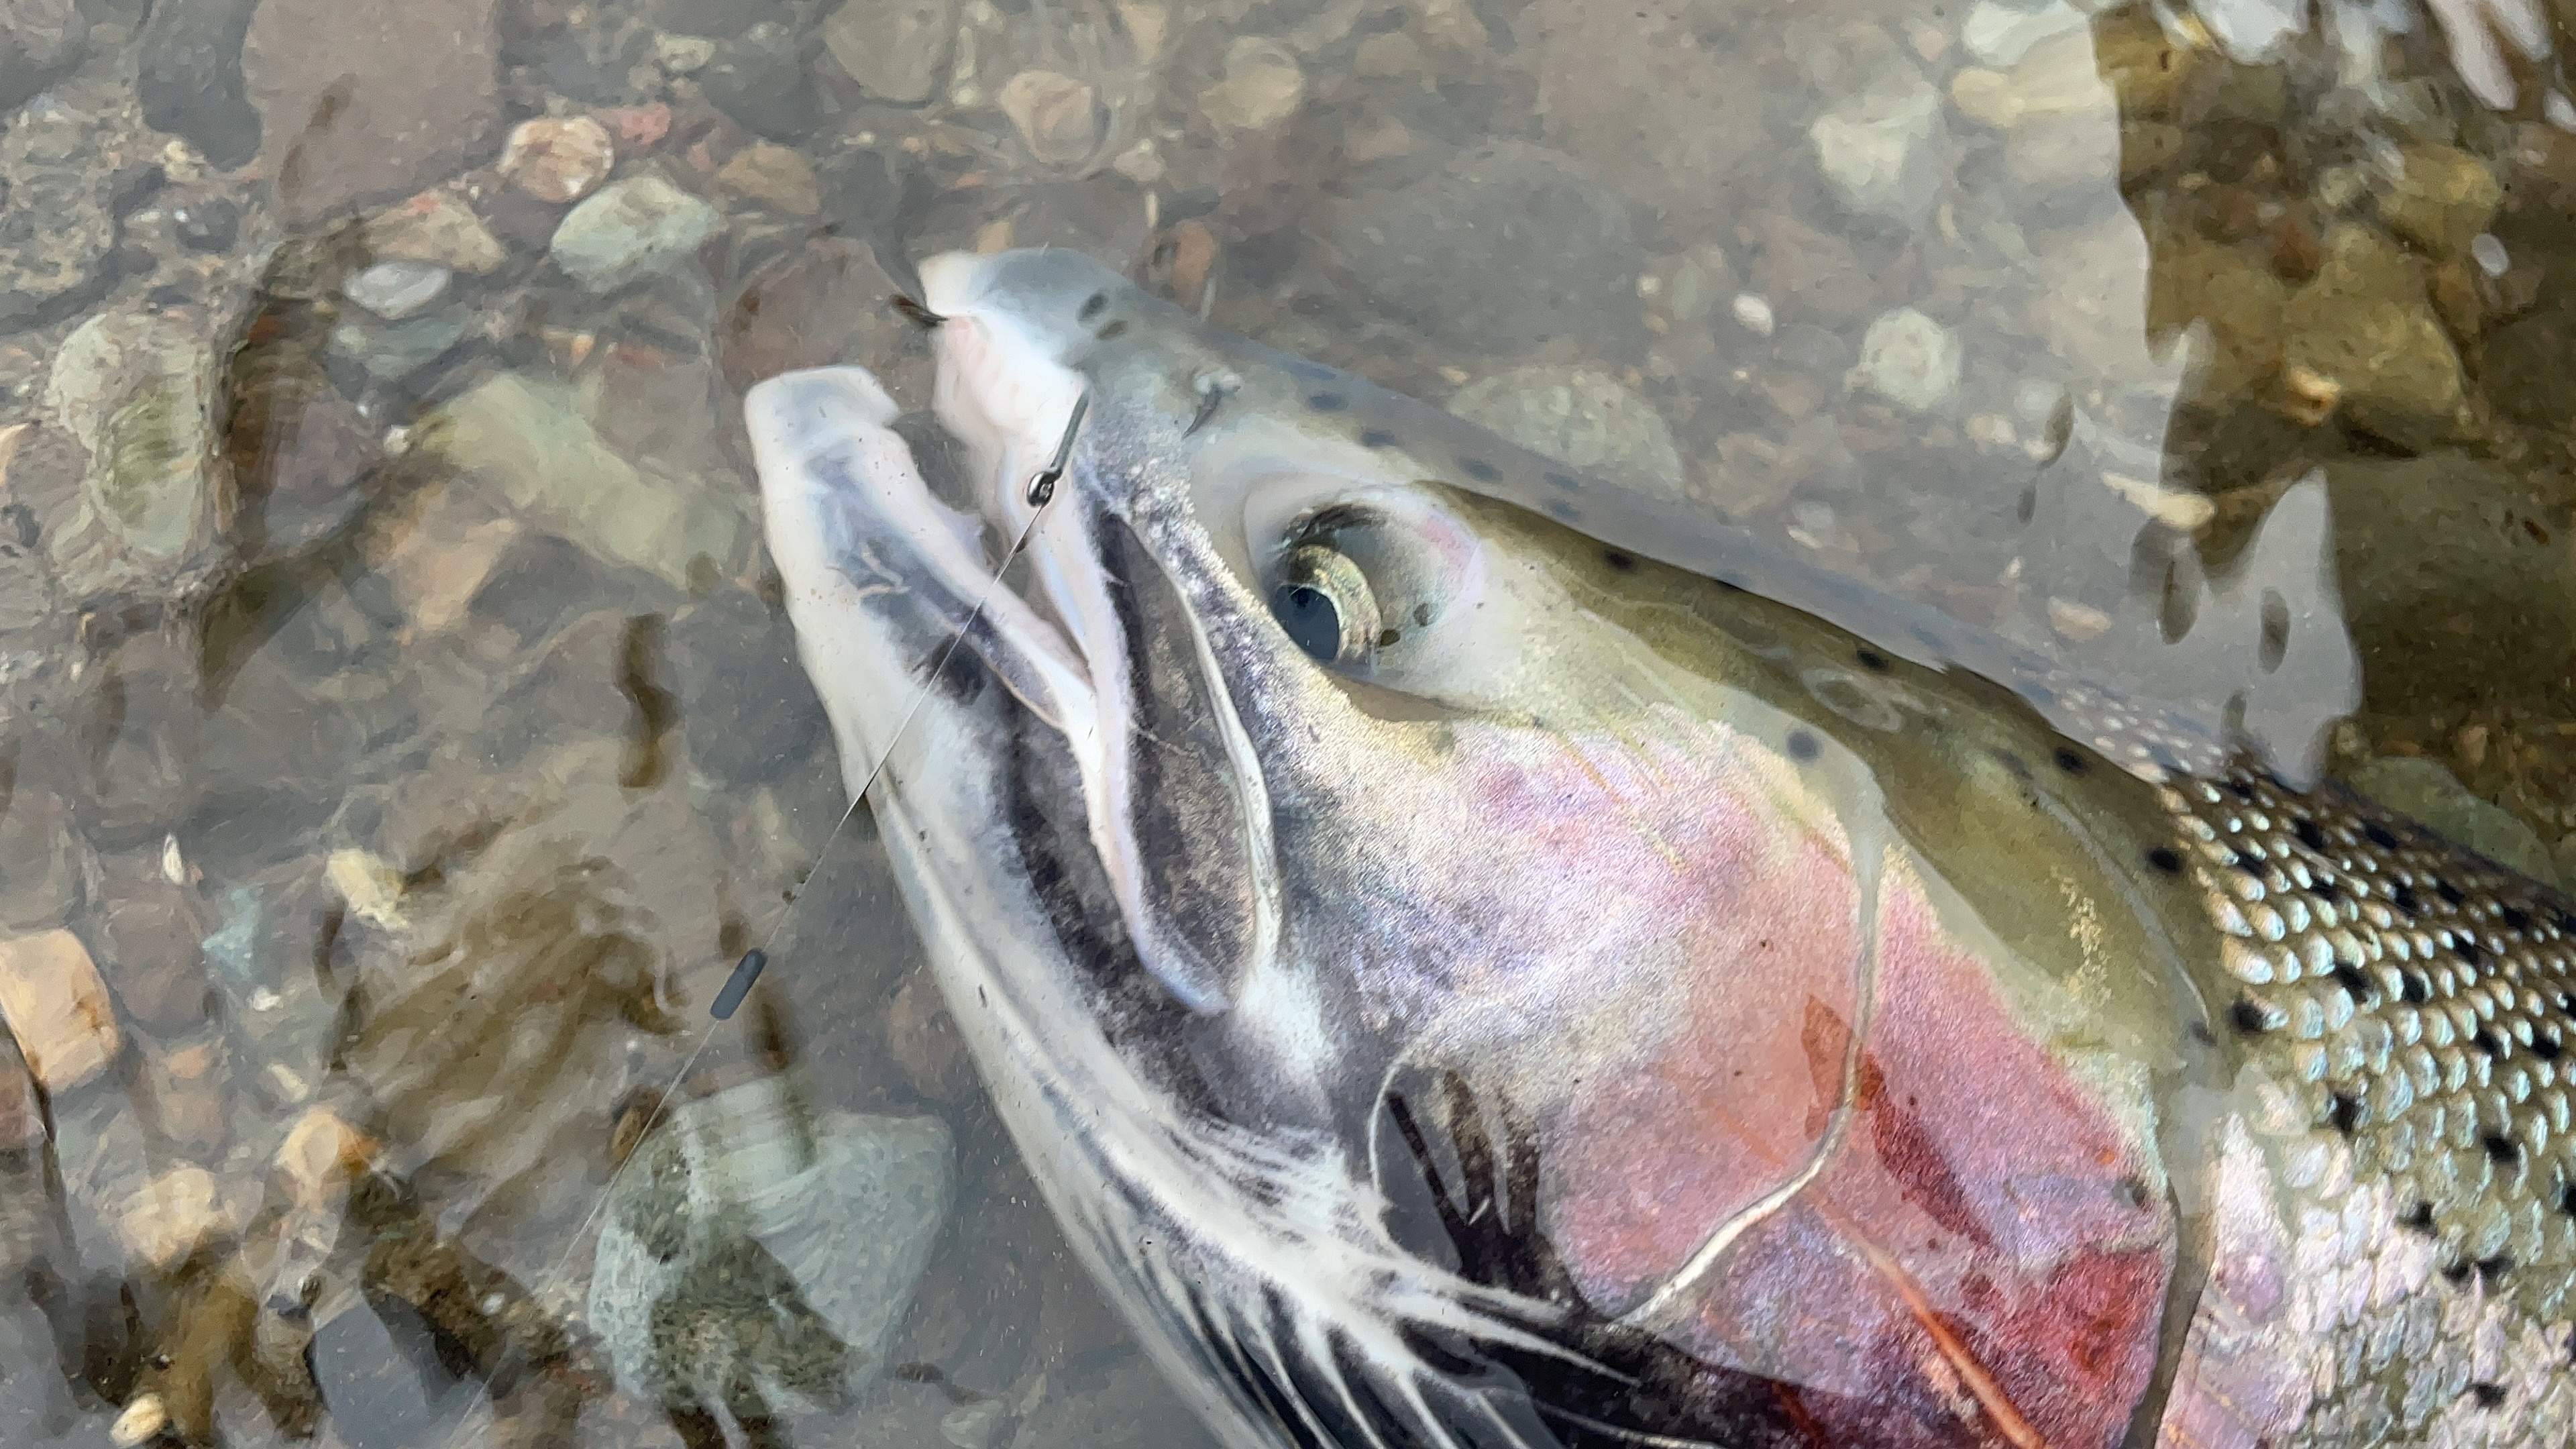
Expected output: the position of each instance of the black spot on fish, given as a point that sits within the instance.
(2252, 1016)
(1479, 469)
(2404, 899)
(2349, 977)
(2487, 1041)
(1870, 659)
(2491, 1270)
(2567, 1199)
(2418, 987)
(1093, 306)
(1565, 512)
(2488, 1396)
(1386, 637)
(2466, 947)
(2309, 835)
(1566, 481)
(2379, 835)
(1422, 613)
(2563, 921)
(1327, 402)
(2515, 918)
(2502, 1148)
(2449, 893)
(1376, 438)
(2069, 761)
(2164, 859)
(1624, 563)
(2547, 1047)
(1804, 747)
(2246, 862)
(2418, 1218)
(2457, 1274)
(1113, 331)
(2325, 887)
(2346, 1113)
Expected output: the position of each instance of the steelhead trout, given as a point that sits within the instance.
(1474, 961)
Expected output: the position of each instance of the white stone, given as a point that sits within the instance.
(53, 1002)
(397, 289)
(1886, 154)
(1910, 360)
(1753, 314)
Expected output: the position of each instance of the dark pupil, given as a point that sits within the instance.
(1313, 622)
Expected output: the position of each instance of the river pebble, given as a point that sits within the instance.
(54, 1002)
(395, 290)
(897, 50)
(1886, 153)
(558, 158)
(631, 229)
(1910, 360)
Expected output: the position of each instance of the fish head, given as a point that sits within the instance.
(1395, 921)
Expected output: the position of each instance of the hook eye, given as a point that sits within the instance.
(1042, 487)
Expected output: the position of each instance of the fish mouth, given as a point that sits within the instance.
(1045, 586)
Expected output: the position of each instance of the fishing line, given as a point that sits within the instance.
(747, 971)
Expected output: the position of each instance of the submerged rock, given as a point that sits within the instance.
(897, 50)
(534, 438)
(189, 62)
(2424, 790)
(1506, 247)
(365, 101)
(758, 1255)
(2365, 326)
(57, 219)
(632, 229)
(1887, 152)
(1578, 416)
(1910, 360)
(39, 40)
(56, 1007)
(558, 158)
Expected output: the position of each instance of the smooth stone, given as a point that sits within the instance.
(1263, 86)
(1057, 117)
(759, 78)
(2365, 327)
(558, 158)
(747, 1210)
(435, 226)
(188, 61)
(361, 102)
(395, 290)
(1581, 417)
(1910, 360)
(897, 50)
(53, 1001)
(1887, 153)
(39, 40)
(2426, 791)
(778, 177)
(533, 438)
(631, 229)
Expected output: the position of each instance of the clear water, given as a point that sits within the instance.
(399, 719)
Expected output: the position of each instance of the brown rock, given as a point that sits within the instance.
(364, 101)
(319, 1157)
(2440, 199)
(155, 956)
(53, 1002)
(2366, 326)
(559, 158)
(1057, 116)
(172, 1216)
(2235, 295)
(22, 1117)
(1797, 266)
(806, 309)
(40, 861)
(188, 1093)
(775, 176)
(435, 226)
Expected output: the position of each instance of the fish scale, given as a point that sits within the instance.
(2413, 1001)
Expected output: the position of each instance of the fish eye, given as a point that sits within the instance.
(1324, 602)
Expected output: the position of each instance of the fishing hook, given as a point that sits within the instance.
(1042, 487)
